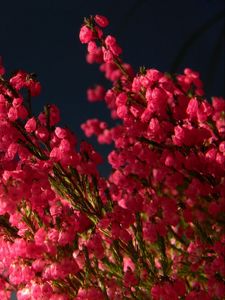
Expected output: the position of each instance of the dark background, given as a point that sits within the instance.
(42, 37)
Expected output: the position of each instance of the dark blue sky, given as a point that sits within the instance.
(42, 37)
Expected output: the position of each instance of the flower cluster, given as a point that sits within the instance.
(154, 228)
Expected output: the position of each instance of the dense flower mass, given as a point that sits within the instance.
(154, 229)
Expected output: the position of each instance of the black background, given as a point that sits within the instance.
(42, 37)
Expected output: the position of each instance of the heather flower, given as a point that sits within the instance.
(153, 228)
(86, 34)
(102, 21)
(96, 94)
(2, 69)
(30, 125)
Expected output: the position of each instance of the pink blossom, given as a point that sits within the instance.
(153, 227)
(31, 125)
(102, 21)
(2, 69)
(86, 34)
(96, 94)
(112, 45)
(192, 108)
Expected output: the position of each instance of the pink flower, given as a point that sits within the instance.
(192, 108)
(96, 94)
(112, 45)
(30, 126)
(90, 294)
(122, 111)
(12, 150)
(92, 47)
(13, 114)
(107, 55)
(35, 88)
(128, 264)
(17, 102)
(60, 132)
(42, 133)
(102, 21)
(93, 127)
(2, 69)
(67, 232)
(86, 34)
(218, 104)
(19, 80)
(95, 55)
